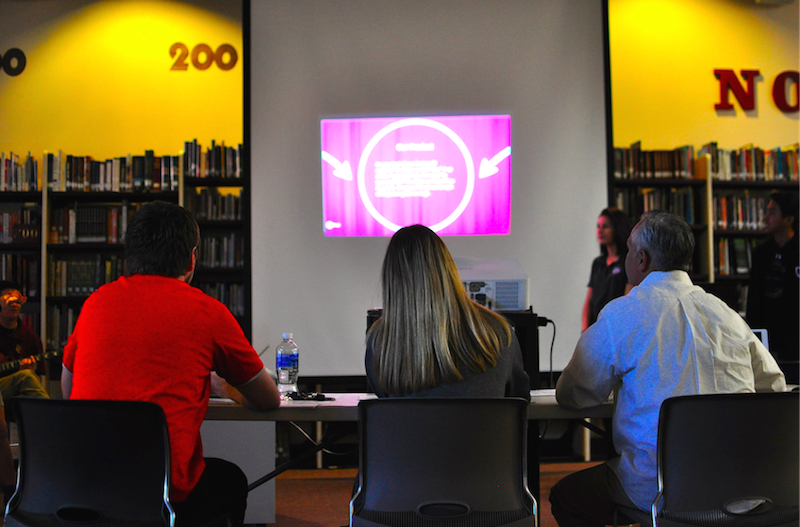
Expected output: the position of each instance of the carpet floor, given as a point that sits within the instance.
(320, 498)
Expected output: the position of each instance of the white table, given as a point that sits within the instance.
(344, 407)
(249, 441)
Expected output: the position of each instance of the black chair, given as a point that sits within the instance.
(727, 460)
(99, 463)
(443, 462)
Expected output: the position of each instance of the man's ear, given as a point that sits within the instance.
(643, 261)
(192, 261)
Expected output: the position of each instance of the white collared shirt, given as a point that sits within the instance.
(666, 338)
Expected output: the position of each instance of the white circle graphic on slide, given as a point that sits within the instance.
(362, 166)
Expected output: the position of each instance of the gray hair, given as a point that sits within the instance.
(666, 238)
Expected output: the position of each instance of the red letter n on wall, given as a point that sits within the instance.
(729, 82)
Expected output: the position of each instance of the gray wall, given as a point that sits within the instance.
(539, 61)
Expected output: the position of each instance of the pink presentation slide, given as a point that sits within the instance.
(452, 174)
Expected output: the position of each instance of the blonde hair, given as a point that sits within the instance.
(430, 328)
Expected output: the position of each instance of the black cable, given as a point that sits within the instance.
(552, 343)
(544, 432)
(543, 321)
(308, 437)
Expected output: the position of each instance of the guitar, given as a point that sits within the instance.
(13, 364)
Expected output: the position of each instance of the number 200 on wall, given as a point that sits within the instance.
(202, 56)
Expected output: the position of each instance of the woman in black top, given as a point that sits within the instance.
(608, 279)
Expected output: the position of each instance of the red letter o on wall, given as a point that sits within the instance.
(779, 91)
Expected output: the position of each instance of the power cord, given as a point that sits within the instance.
(542, 322)
(552, 344)
(313, 442)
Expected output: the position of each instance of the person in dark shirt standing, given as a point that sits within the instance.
(773, 295)
(608, 279)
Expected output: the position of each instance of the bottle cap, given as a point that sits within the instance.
(287, 336)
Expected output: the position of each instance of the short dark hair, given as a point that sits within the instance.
(787, 201)
(621, 225)
(160, 239)
(8, 284)
(666, 238)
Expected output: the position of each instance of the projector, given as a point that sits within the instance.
(499, 284)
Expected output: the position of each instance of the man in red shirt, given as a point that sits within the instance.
(150, 336)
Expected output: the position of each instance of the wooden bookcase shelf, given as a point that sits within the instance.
(724, 210)
(221, 206)
(59, 267)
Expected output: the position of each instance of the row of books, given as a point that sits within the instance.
(60, 323)
(739, 211)
(22, 270)
(18, 176)
(748, 163)
(636, 201)
(734, 255)
(232, 295)
(635, 163)
(94, 223)
(132, 173)
(210, 204)
(751, 163)
(221, 251)
(217, 160)
(22, 224)
(80, 276)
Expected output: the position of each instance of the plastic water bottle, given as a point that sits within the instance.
(287, 360)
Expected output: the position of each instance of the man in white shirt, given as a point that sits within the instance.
(666, 338)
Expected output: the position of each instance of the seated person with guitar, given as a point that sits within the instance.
(19, 348)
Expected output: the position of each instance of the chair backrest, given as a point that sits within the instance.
(97, 462)
(716, 450)
(429, 458)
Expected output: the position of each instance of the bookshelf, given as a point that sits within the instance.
(742, 181)
(217, 191)
(646, 180)
(20, 249)
(722, 194)
(63, 220)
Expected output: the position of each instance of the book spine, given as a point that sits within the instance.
(138, 173)
(166, 168)
(148, 170)
(157, 176)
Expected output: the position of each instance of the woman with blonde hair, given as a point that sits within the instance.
(432, 340)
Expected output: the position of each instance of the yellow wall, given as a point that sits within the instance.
(98, 79)
(663, 57)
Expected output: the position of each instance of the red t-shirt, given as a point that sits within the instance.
(153, 338)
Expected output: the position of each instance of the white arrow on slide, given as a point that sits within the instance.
(340, 170)
(489, 166)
